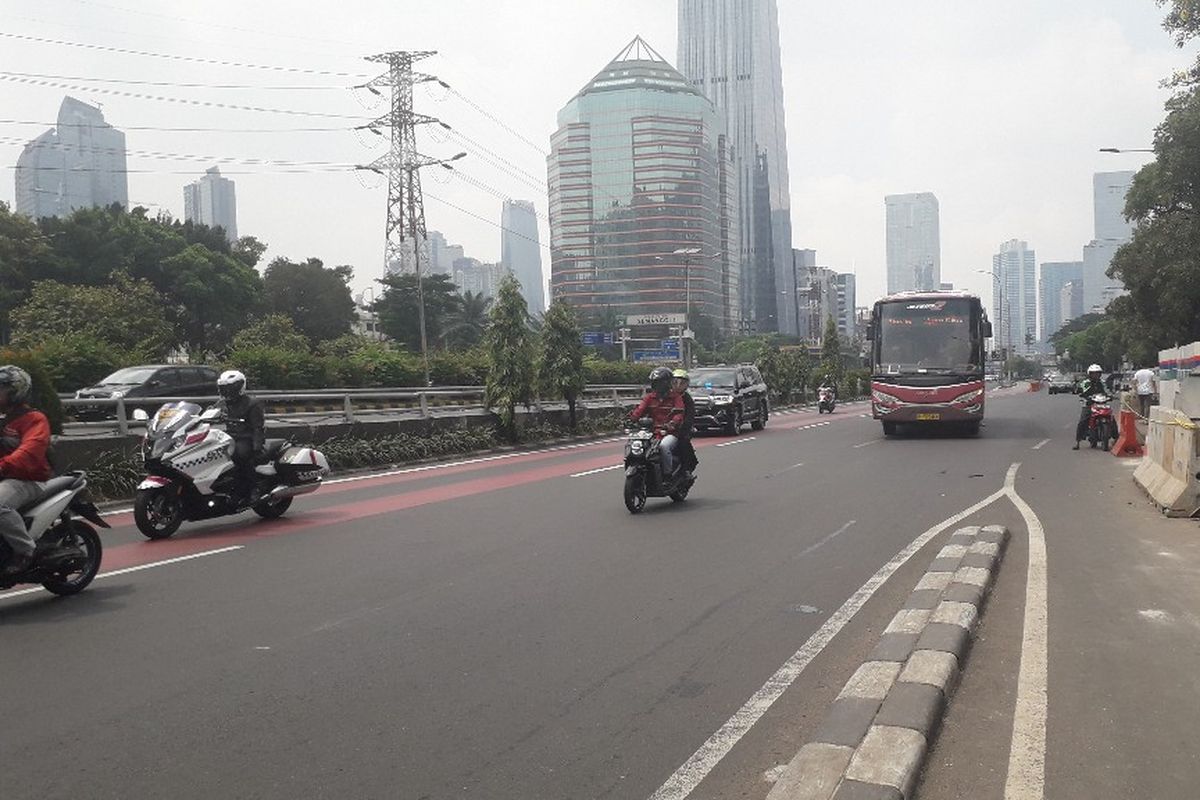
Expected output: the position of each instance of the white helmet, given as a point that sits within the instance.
(231, 385)
(1094, 368)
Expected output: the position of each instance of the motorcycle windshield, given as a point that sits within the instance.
(172, 417)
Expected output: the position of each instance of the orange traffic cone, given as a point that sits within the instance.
(1127, 440)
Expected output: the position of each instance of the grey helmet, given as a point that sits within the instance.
(16, 382)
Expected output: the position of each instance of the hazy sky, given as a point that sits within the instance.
(997, 108)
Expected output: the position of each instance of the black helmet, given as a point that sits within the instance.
(660, 379)
(16, 382)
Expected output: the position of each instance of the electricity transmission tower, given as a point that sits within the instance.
(406, 239)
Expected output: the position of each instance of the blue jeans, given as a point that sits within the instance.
(667, 450)
(13, 495)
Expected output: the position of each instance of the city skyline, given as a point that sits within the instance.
(212, 201)
(914, 243)
(1014, 297)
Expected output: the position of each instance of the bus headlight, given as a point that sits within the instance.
(885, 399)
(969, 397)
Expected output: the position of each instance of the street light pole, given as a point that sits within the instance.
(1006, 344)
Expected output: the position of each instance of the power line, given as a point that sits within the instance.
(174, 84)
(192, 172)
(498, 161)
(176, 57)
(180, 100)
(492, 117)
(491, 222)
(56, 124)
(67, 147)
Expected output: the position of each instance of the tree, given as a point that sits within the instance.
(24, 252)
(466, 324)
(316, 298)
(510, 347)
(831, 351)
(560, 363)
(248, 250)
(274, 330)
(216, 292)
(129, 316)
(398, 308)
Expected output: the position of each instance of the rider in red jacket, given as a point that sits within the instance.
(665, 406)
(24, 463)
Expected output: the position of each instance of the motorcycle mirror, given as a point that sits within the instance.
(140, 414)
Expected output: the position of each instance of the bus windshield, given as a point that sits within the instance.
(927, 336)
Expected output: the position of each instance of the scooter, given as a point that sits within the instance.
(1101, 428)
(643, 470)
(68, 550)
(825, 401)
(192, 476)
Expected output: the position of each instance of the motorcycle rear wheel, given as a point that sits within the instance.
(157, 514)
(83, 536)
(273, 510)
(635, 493)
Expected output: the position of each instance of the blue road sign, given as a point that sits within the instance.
(655, 355)
(593, 338)
(670, 346)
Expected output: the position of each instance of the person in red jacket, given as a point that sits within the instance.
(665, 406)
(24, 464)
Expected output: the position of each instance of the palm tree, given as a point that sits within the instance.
(468, 321)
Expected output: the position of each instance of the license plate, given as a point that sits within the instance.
(922, 417)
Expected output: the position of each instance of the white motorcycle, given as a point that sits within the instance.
(68, 552)
(191, 475)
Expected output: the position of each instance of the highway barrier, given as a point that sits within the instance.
(1168, 471)
(1127, 443)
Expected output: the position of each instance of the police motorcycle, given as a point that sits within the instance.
(191, 475)
(826, 401)
(643, 469)
(68, 550)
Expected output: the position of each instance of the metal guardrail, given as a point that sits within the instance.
(347, 404)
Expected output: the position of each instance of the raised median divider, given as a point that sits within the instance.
(875, 738)
(1168, 469)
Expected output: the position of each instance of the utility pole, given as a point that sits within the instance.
(406, 238)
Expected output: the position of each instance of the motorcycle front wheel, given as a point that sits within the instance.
(158, 514)
(635, 493)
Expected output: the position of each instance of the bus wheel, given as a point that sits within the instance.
(889, 429)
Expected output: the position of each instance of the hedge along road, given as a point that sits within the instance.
(496, 628)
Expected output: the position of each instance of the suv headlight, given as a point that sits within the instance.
(118, 393)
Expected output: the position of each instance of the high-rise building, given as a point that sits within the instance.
(914, 249)
(1070, 301)
(1055, 275)
(1014, 271)
(639, 173)
(521, 251)
(472, 275)
(80, 163)
(1112, 231)
(729, 50)
(846, 297)
(212, 201)
(442, 254)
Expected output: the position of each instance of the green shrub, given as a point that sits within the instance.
(347, 452)
(276, 368)
(275, 331)
(597, 371)
(76, 360)
(385, 366)
(462, 368)
(114, 475)
(45, 397)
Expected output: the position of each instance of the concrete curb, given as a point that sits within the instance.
(873, 742)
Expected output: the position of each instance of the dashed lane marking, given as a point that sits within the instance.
(594, 471)
(1041, 444)
(867, 444)
(737, 441)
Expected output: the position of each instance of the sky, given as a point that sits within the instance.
(997, 108)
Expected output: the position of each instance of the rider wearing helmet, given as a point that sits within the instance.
(687, 453)
(665, 407)
(24, 464)
(245, 423)
(1089, 386)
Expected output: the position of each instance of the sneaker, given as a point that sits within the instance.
(1075, 446)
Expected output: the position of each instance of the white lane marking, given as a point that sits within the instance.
(431, 467)
(868, 444)
(689, 775)
(737, 441)
(594, 471)
(1041, 444)
(139, 568)
(792, 467)
(1027, 755)
(827, 539)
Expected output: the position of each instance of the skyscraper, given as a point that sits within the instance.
(1014, 271)
(78, 164)
(1055, 275)
(729, 50)
(521, 252)
(1112, 231)
(914, 248)
(212, 201)
(638, 174)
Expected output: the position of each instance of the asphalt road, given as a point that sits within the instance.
(500, 628)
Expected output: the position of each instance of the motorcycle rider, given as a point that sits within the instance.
(245, 422)
(687, 452)
(828, 384)
(1089, 386)
(24, 464)
(665, 407)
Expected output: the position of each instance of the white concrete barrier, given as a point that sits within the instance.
(1168, 470)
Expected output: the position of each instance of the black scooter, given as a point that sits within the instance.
(643, 470)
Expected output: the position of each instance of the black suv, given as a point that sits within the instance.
(727, 397)
(154, 380)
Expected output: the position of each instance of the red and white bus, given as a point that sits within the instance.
(928, 351)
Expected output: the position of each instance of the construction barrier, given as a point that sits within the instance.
(1035, 386)
(1168, 469)
(1127, 443)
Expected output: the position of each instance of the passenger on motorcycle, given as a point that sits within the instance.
(245, 422)
(665, 406)
(687, 452)
(24, 464)
(1087, 387)
(828, 384)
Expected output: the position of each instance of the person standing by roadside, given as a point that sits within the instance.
(1146, 386)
